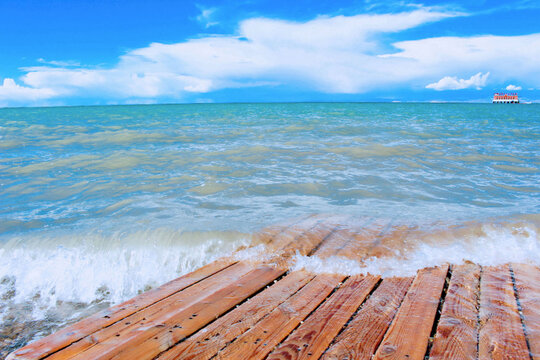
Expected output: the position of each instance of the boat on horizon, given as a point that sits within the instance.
(503, 98)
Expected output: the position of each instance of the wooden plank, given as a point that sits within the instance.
(335, 242)
(306, 242)
(68, 335)
(315, 334)
(501, 331)
(394, 237)
(177, 301)
(528, 287)
(267, 235)
(341, 237)
(408, 335)
(208, 341)
(353, 242)
(364, 239)
(283, 239)
(363, 335)
(257, 342)
(159, 334)
(457, 331)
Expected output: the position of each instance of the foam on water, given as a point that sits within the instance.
(485, 244)
(103, 268)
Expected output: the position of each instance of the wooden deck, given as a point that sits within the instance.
(244, 309)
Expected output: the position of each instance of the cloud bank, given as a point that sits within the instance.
(477, 81)
(11, 93)
(340, 55)
(513, 88)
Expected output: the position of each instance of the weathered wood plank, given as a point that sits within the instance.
(208, 341)
(408, 336)
(286, 237)
(306, 242)
(457, 331)
(363, 239)
(257, 342)
(335, 242)
(501, 331)
(177, 301)
(102, 319)
(528, 287)
(385, 245)
(363, 335)
(343, 236)
(205, 344)
(268, 234)
(315, 334)
(158, 334)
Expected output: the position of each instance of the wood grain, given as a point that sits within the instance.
(257, 342)
(362, 239)
(457, 331)
(363, 335)
(313, 337)
(268, 234)
(148, 340)
(501, 331)
(287, 237)
(408, 336)
(177, 301)
(393, 238)
(343, 237)
(306, 242)
(208, 341)
(528, 287)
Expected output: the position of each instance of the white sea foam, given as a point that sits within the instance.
(496, 245)
(254, 253)
(94, 268)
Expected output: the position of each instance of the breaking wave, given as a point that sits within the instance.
(485, 244)
(44, 272)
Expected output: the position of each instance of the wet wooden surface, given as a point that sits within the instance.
(501, 331)
(361, 338)
(457, 330)
(408, 335)
(267, 308)
(312, 338)
(527, 279)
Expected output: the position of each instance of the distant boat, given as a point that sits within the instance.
(501, 98)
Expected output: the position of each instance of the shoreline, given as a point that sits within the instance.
(234, 289)
(302, 246)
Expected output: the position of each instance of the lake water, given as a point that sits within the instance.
(101, 203)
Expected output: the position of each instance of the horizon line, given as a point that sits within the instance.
(265, 102)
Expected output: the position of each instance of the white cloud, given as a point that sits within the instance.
(513, 88)
(326, 54)
(340, 54)
(477, 81)
(206, 17)
(12, 93)
(503, 56)
(65, 63)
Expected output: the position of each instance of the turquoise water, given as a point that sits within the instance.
(154, 191)
(240, 166)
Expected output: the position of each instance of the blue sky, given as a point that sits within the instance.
(116, 52)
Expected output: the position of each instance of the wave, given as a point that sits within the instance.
(489, 243)
(45, 271)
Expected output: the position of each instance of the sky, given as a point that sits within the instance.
(86, 52)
